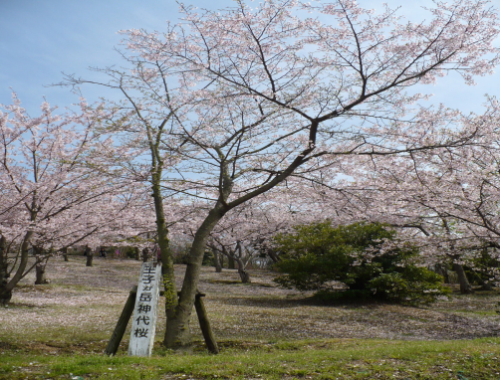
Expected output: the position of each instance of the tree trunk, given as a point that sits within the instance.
(465, 287)
(272, 254)
(167, 270)
(65, 254)
(40, 274)
(244, 275)
(90, 256)
(230, 263)
(217, 259)
(5, 296)
(145, 254)
(6, 290)
(178, 334)
(4, 270)
(442, 270)
(485, 285)
(137, 253)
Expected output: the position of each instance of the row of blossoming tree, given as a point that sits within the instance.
(245, 121)
(52, 195)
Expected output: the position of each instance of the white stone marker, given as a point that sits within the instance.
(142, 335)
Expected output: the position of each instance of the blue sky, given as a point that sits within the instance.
(42, 38)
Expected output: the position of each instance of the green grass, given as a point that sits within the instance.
(318, 359)
(59, 331)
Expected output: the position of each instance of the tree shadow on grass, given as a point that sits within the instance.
(283, 303)
(23, 305)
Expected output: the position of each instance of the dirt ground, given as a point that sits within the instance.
(83, 304)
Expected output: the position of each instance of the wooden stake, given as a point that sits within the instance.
(205, 324)
(121, 325)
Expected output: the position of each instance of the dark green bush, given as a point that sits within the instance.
(208, 259)
(180, 254)
(315, 255)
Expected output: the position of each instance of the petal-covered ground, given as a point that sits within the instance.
(82, 305)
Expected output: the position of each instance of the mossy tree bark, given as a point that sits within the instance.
(158, 149)
(178, 334)
(168, 276)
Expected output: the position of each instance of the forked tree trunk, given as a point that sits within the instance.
(244, 275)
(7, 286)
(40, 274)
(465, 287)
(272, 254)
(178, 333)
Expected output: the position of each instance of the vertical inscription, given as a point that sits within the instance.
(146, 307)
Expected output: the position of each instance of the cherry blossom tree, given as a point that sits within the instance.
(287, 88)
(48, 187)
(449, 195)
(145, 121)
(241, 235)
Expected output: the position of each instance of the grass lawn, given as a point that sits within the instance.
(59, 331)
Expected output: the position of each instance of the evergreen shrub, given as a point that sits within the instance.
(316, 256)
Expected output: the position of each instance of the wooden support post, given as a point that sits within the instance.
(205, 324)
(121, 325)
